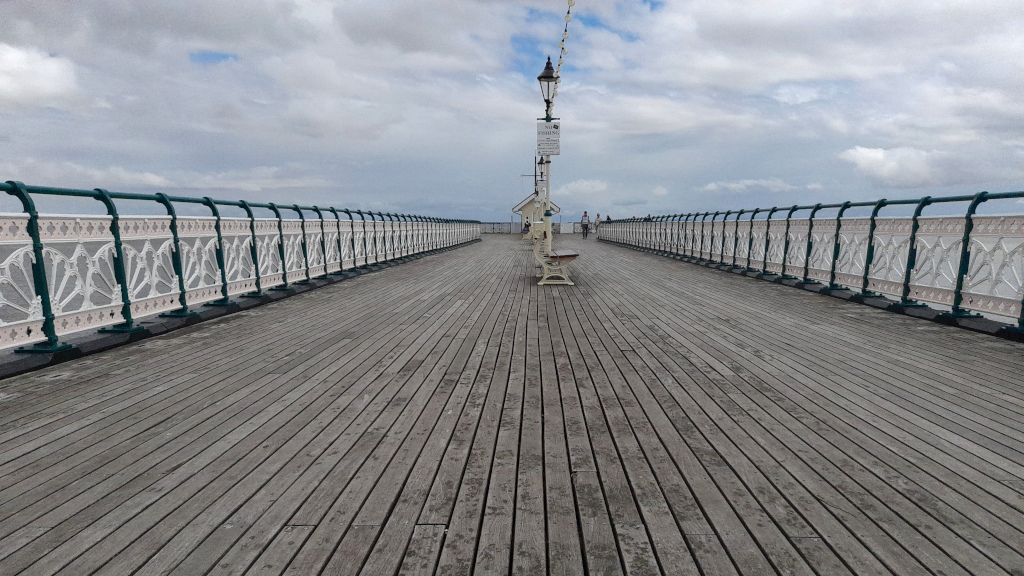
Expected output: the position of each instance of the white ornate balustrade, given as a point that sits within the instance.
(169, 263)
(874, 256)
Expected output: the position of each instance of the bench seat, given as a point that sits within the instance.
(562, 255)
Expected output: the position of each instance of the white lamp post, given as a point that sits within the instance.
(548, 83)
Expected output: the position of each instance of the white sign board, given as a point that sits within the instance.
(547, 138)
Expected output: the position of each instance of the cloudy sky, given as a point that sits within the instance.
(430, 106)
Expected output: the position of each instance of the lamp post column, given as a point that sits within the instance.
(548, 86)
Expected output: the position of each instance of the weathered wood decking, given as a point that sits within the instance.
(450, 417)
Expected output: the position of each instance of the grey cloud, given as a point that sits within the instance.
(424, 105)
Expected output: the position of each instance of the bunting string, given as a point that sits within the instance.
(561, 46)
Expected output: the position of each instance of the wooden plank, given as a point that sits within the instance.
(460, 546)
(494, 547)
(529, 534)
(563, 541)
(719, 351)
(424, 547)
(398, 527)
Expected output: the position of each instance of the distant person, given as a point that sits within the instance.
(597, 221)
(526, 226)
(585, 224)
(607, 217)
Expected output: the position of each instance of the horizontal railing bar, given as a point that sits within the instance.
(864, 204)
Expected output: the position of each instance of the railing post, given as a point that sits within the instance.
(119, 266)
(383, 234)
(395, 222)
(405, 234)
(220, 255)
(685, 234)
(351, 236)
(721, 245)
(323, 237)
(376, 249)
(366, 250)
(253, 249)
(869, 254)
(394, 248)
(280, 247)
(671, 224)
(305, 250)
(785, 244)
(414, 233)
(711, 239)
(700, 251)
(767, 239)
(736, 236)
(175, 259)
(810, 235)
(912, 252)
(341, 252)
(750, 236)
(40, 284)
(835, 246)
(965, 254)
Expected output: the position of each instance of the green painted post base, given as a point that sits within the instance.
(900, 306)
(252, 295)
(120, 329)
(43, 348)
(953, 316)
(221, 302)
(178, 314)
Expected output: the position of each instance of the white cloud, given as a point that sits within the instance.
(581, 188)
(764, 184)
(907, 167)
(797, 93)
(404, 100)
(70, 174)
(899, 167)
(30, 77)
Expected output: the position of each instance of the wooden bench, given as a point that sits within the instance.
(554, 265)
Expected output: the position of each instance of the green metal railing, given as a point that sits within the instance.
(967, 263)
(65, 273)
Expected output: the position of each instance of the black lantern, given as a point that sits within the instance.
(547, 82)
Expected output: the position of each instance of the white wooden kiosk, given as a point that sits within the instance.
(531, 210)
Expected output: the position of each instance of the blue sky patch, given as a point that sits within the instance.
(205, 57)
(529, 57)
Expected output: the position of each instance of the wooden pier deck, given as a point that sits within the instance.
(448, 416)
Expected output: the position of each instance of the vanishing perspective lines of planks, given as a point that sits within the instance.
(449, 416)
